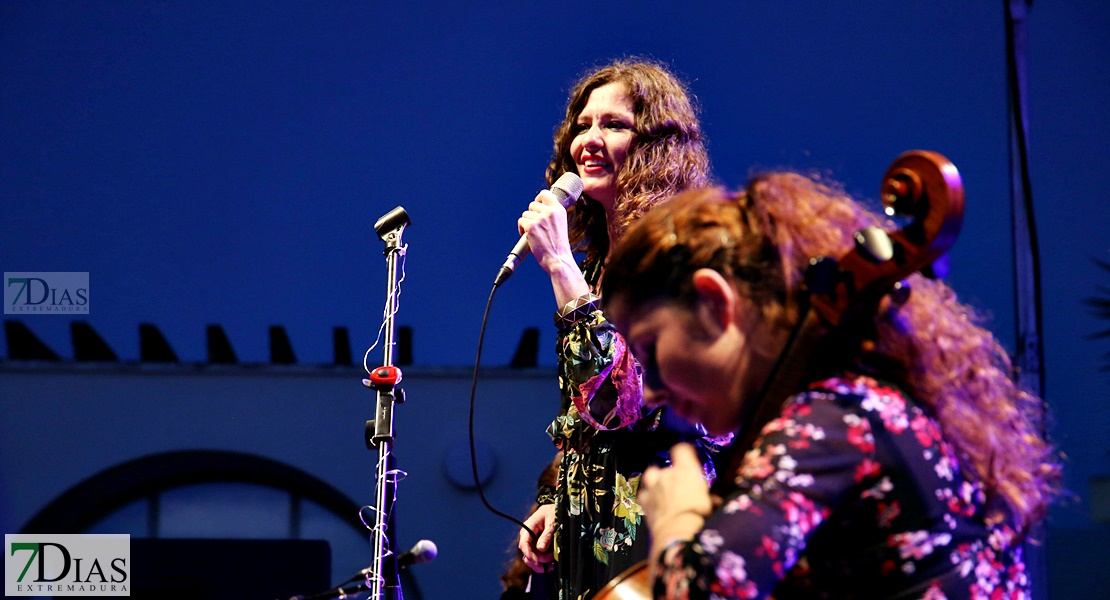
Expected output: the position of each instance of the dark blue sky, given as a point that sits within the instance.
(224, 162)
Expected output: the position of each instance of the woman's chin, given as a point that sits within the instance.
(717, 427)
(602, 191)
(717, 431)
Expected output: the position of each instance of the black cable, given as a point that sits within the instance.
(1021, 143)
(1036, 562)
(473, 391)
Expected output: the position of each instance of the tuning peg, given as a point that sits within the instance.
(900, 293)
(874, 244)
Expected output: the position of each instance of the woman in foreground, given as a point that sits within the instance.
(911, 470)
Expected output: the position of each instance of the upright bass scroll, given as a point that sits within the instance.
(920, 185)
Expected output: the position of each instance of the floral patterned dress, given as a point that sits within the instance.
(608, 438)
(852, 492)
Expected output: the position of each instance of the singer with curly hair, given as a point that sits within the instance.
(631, 133)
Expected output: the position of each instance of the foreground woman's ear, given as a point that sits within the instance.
(716, 299)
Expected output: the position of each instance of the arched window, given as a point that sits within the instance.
(219, 510)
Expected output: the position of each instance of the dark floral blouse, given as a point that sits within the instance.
(608, 438)
(852, 492)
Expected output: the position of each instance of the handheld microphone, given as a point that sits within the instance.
(567, 189)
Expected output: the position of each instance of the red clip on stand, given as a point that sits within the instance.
(385, 377)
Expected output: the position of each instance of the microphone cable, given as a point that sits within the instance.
(567, 189)
(473, 453)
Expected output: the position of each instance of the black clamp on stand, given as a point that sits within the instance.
(384, 578)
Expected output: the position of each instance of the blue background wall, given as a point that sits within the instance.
(215, 162)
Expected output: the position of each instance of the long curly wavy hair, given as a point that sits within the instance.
(667, 156)
(762, 240)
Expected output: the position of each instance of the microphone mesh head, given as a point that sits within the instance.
(570, 185)
(425, 551)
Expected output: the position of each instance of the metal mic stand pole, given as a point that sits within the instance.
(385, 580)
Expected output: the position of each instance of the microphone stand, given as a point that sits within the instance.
(384, 580)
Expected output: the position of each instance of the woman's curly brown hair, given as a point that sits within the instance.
(667, 156)
(763, 239)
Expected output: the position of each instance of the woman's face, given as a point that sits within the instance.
(702, 361)
(602, 139)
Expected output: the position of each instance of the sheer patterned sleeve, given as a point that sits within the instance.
(598, 374)
(803, 464)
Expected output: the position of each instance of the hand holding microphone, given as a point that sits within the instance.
(566, 190)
